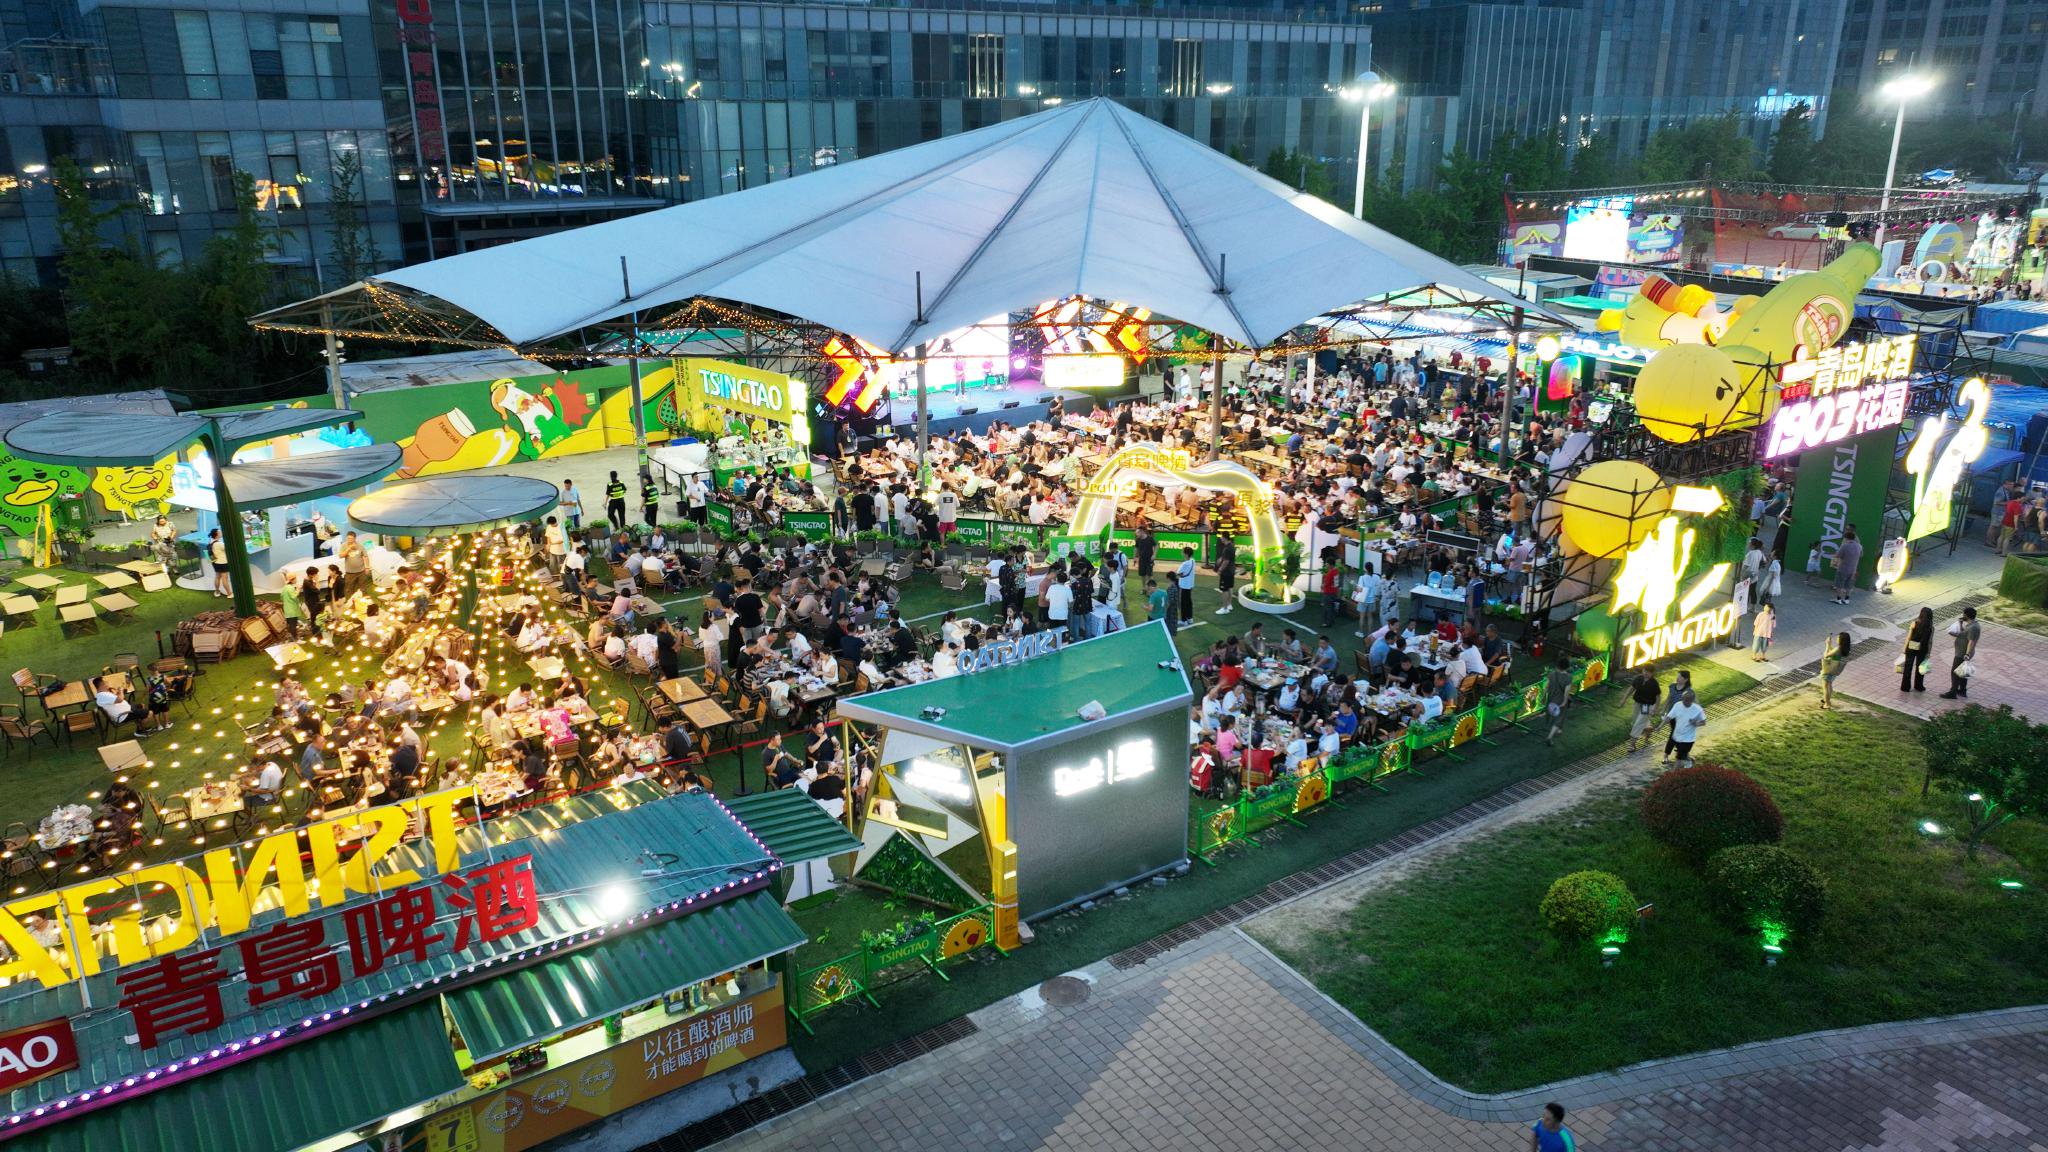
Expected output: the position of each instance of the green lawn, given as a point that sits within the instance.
(1452, 965)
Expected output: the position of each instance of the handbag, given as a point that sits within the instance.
(1966, 669)
(1923, 667)
(1899, 665)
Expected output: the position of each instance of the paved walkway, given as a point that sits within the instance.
(1220, 1046)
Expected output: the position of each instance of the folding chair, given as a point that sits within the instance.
(15, 725)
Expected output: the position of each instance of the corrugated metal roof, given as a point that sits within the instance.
(540, 1001)
(587, 874)
(793, 826)
(287, 1099)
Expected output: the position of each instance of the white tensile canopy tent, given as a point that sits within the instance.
(1086, 199)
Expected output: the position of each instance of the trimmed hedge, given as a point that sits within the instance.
(1700, 810)
(1588, 905)
(2024, 580)
(1755, 886)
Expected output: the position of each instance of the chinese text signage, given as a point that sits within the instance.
(416, 40)
(1844, 392)
(295, 960)
(539, 1108)
(221, 890)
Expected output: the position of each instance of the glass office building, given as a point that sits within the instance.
(507, 120)
(160, 108)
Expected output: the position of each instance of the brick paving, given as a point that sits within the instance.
(2012, 668)
(1219, 1046)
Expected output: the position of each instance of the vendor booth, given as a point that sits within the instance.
(558, 985)
(1069, 763)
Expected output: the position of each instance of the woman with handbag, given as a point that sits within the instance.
(1913, 661)
(1966, 632)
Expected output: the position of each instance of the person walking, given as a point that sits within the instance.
(355, 565)
(1760, 630)
(1365, 596)
(1644, 694)
(1772, 584)
(1965, 632)
(1848, 558)
(1686, 718)
(1557, 690)
(1832, 662)
(1549, 1134)
(1913, 660)
(650, 498)
(217, 555)
(615, 503)
(1145, 550)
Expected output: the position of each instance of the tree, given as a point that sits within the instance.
(1301, 171)
(120, 306)
(353, 248)
(1692, 150)
(1596, 164)
(235, 277)
(1996, 760)
(1791, 159)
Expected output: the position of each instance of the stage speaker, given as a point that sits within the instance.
(1011, 404)
(970, 411)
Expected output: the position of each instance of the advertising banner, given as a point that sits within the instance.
(481, 423)
(540, 1108)
(1840, 486)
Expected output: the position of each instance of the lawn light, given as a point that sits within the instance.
(1773, 938)
(1929, 828)
(2011, 885)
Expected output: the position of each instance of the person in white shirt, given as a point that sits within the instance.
(520, 699)
(1330, 742)
(645, 646)
(614, 648)
(781, 694)
(398, 693)
(652, 569)
(799, 647)
(1365, 596)
(1297, 750)
(1059, 599)
(1432, 706)
(270, 780)
(946, 661)
(1472, 661)
(533, 636)
(113, 705)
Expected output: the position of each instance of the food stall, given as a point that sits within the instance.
(1080, 793)
(574, 960)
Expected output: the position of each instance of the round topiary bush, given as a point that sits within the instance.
(1760, 887)
(1700, 810)
(1588, 905)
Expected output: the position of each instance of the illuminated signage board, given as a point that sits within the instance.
(936, 779)
(38, 1050)
(1935, 473)
(1125, 762)
(1649, 582)
(1010, 651)
(749, 392)
(1083, 372)
(1842, 393)
(223, 890)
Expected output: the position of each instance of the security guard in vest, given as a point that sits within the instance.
(650, 498)
(615, 503)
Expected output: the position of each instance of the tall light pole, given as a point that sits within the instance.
(2019, 107)
(1367, 88)
(1900, 90)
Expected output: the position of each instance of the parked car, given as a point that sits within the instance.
(1799, 230)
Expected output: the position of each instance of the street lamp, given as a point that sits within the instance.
(1902, 89)
(1367, 88)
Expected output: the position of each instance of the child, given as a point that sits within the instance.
(1760, 641)
(1812, 564)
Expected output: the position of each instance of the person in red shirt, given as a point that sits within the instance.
(1333, 594)
(2009, 523)
(1202, 769)
(1258, 766)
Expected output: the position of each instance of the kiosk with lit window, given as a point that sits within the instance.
(1066, 807)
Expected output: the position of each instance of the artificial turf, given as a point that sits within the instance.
(1452, 965)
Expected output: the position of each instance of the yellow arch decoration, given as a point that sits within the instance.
(1156, 464)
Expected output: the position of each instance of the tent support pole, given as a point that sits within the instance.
(633, 369)
(1507, 404)
(924, 418)
(333, 355)
(1216, 405)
